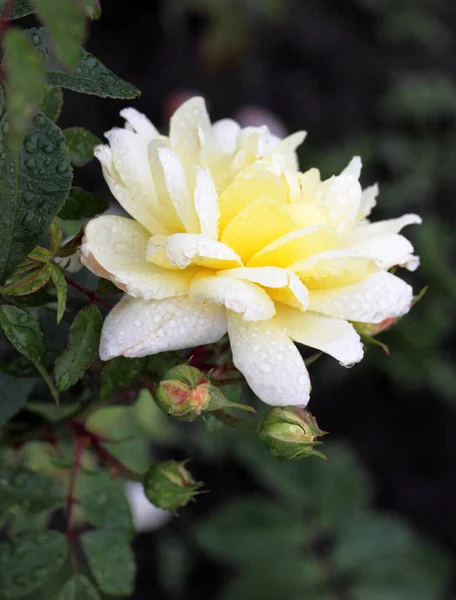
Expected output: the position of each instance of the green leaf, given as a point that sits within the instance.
(21, 8)
(13, 395)
(119, 373)
(65, 22)
(56, 236)
(90, 75)
(107, 287)
(26, 335)
(111, 561)
(105, 504)
(52, 102)
(58, 279)
(2, 100)
(34, 182)
(82, 348)
(29, 560)
(30, 282)
(82, 205)
(113, 423)
(78, 588)
(291, 576)
(93, 9)
(23, 331)
(247, 529)
(26, 82)
(81, 143)
(28, 490)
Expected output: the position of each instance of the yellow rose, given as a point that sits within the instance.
(227, 236)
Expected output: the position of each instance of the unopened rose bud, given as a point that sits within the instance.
(290, 433)
(183, 392)
(169, 485)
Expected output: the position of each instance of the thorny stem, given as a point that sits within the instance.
(94, 442)
(92, 296)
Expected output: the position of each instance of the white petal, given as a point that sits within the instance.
(269, 361)
(282, 285)
(114, 247)
(137, 327)
(239, 296)
(139, 123)
(186, 248)
(335, 337)
(378, 297)
(369, 230)
(129, 154)
(353, 168)
(368, 201)
(341, 201)
(143, 212)
(389, 250)
(226, 132)
(178, 189)
(190, 131)
(283, 155)
(206, 204)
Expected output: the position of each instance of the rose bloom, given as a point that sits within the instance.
(227, 236)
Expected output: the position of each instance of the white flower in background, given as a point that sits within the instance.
(227, 236)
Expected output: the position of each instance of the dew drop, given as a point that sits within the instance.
(62, 167)
(31, 144)
(40, 120)
(30, 163)
(36, 39)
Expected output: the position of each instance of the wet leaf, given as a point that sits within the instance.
(78, 588)
(26, 80)
(42, 555)
(119, 373)
(90, 75)
(65, 22)
(52, 102)
(81, 204)
(82, 348)
(58, 279)
(111, 561)
(81, 143)
(28, 490)
(29, 283)
(34, 182)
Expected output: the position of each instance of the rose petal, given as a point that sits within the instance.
(381, 296)
(269, 361)
(137, 327)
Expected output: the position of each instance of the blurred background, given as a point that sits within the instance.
(377, 521)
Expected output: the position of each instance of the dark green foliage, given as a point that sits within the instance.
(21, 8)
(25, 82)
(52, 102)
(119, 373)
(29, 560)
(64, 20)
(104, 503)
(34, 182)
(111, 561)
(13, 395)
(81, 143)
(90, 76)
(82, 347)
(78, 588)
(29, 491)
(81, 204)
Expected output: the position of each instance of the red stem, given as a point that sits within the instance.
(92, 296)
